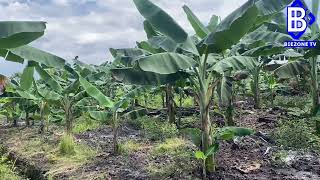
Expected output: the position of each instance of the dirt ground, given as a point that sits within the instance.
(247, 158)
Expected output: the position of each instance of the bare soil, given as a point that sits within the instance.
(247, 158)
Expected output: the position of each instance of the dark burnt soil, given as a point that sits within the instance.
(252, 157)
(247, 158)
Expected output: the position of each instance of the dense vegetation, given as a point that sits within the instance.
(188, 96)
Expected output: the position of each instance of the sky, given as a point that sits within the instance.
(88, 28)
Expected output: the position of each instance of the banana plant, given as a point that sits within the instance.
(116, 106)
(220, 134)
(196, 58)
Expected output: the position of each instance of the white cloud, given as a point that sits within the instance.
(88, 28)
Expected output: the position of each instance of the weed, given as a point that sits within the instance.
(296, 134)
(155, 130)
(67, 145)
(85, 123)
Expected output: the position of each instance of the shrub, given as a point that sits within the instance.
(67, 145)
(296, 134)
(154, 129)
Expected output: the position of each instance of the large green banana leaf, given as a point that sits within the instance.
(214, 22)
(266, 50)
(161, 21)
(236, 63)
(198, 27)
(49, 95)
(42, 57)
(166, 63)
(147, 47)
(266, 36)
(128, 52)
(292, 69)
(138, 77)
(165, 24)
(7, 55)
(164, 43)
(100, 115)
(224, 91)
(94, 92)
(48, 79)
(269, 9)
(27, 77)
(150, 31)
(232, 28)
(18, 33)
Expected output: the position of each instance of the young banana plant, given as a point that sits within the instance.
(117, 107)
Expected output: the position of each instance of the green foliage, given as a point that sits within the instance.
(67, 145)
(7, 170)
(180, 161)
(296, 135)
(85, 123)
(129, 146)
(154, 129)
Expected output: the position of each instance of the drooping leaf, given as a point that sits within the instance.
(160, 20)
(26, 95)
(99, 115)
(49, 95)
(269, 8)
(236, 63)
(27, 77)
(228, 133)
(138, 77)
(42, 57)
(224, 90)
(48, 79)
(213, 149)
(232, 28)
(164, 43)
(7, 55)
(292, 69)
(103, 100)
(18, 33)
(214, 21)
(198, 27)
(166, 63)
(266, 50)
(150, 31)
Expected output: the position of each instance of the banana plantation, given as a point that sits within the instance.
(227, 101)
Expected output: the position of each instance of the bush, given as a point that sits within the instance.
(67, 145)
(154, 129)
(296, 134)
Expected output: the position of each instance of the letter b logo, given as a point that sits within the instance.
(299, 18)
(296, 19)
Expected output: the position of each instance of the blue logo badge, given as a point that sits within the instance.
(299, 18)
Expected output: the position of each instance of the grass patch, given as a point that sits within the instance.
(171, 146)
(130, 146)
(67, 145)
(47, 150)
(85, 123)
(7, 170)
(154, 129)
(178, 156)
(296, 135)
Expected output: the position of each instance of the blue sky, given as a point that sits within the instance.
(88, 28)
